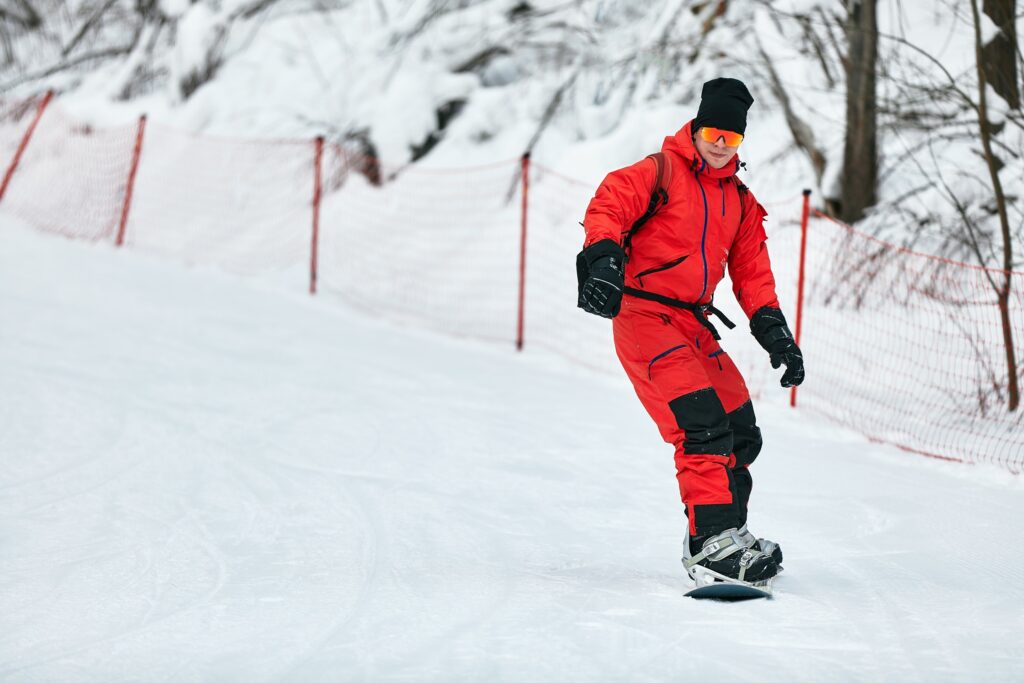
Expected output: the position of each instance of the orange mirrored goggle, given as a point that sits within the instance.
(712, 134)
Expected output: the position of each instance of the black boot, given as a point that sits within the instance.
(726, 556)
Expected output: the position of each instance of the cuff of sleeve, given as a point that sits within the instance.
(768, 325)
(602, 248)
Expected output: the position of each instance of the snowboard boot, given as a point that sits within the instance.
(767, 547)
(727, 557)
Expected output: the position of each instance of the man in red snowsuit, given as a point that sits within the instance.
(657, 281)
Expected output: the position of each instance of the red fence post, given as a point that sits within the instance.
(520, 323)
(315, 245)
(130, 186)
(40, 108)
(800, 279)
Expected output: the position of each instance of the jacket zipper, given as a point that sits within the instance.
(721, 188)
(703, 234)
(663, 266)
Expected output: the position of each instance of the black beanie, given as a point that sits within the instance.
(723, 104)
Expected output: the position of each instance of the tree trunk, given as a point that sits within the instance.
(860, 154)
(999, 55)
(993, 163)
(1013, 389)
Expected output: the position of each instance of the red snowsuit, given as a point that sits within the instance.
(682, 376)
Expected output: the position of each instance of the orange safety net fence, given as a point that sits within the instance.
(902, 347)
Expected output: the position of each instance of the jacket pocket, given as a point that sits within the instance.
(650, 366)
(657, 269)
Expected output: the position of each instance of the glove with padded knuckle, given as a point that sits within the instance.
(769, 328)
(599, 268)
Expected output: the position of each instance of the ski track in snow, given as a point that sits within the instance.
(205, 479)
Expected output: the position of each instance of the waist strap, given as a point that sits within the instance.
(699, 311)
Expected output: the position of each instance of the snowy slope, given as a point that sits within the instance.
(206, 480)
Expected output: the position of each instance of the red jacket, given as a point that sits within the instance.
(682, 252)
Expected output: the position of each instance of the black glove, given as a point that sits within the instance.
(769, 328)
(599, 269)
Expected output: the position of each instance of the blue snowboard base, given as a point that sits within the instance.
(729, 592)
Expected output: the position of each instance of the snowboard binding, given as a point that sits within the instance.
(729, 566)
(764, 545)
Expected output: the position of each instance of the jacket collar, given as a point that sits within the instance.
(682, 144)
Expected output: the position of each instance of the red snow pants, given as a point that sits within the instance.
(700, 403)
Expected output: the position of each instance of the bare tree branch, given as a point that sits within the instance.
(802, 134)
(87, 26)
(28, 17)
(65, 65)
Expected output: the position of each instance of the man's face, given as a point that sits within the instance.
(716, 153)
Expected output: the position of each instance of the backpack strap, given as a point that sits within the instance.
(659, 197)
(742, 191)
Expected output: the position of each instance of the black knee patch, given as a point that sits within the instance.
(701, 416)
(745, 434)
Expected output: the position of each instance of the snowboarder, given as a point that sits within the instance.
(659, 237)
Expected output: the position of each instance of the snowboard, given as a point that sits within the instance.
(730, 592)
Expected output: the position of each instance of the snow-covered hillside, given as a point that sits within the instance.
(204, 479)
(585, 86)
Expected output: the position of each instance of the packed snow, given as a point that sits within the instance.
(205, 478)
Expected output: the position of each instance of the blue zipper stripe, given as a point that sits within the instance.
(703, 234)
(721, 187)
(716, 353)
(660, 356)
